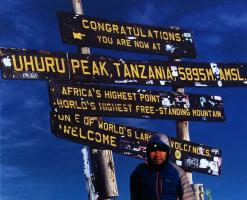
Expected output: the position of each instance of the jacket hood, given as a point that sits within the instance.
(157, 141)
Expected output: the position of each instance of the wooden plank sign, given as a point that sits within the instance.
(96, 100)
(33, 65)
(132, 141)
(95, 32)
(38, 65)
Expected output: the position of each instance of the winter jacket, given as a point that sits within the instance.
(168, 183)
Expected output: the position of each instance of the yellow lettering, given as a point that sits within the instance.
(145, 109)
(16, 67)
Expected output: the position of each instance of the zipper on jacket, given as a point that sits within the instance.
(157, 185)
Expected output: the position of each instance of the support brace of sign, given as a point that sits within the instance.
(199, 191)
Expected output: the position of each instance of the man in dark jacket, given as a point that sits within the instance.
(159, 179)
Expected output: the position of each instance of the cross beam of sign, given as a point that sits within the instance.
(132, 141)
(30, 64)
(102, 101)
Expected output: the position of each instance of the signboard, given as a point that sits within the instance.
(28, 64)
(109, 70)
(96, 100)
(132, 141)
(95, 32)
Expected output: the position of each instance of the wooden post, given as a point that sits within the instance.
(199, 192)
(182, 127)
(102, 160)
(182, 131)
(104, 172)
(77, 6)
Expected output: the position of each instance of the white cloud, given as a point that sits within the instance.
(38, 127)
(33, 103)
(211, 40)
(9, 172)
(234, 19)
(223, 16)
(14, 137)
(146, 15)
(19, 27)
(10, 176)
(10, 6)
(17, 144)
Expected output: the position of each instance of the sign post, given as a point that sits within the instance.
(104, 175)
(182, 131)
(77, 106)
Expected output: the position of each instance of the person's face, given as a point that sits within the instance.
(158, 157)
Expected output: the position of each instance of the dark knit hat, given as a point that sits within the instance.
(158, 141)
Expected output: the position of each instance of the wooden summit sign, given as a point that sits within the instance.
(132, 141)
(96, 100)
(30, 64)
(94, 32)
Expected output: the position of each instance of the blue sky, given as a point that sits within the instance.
(37, 165)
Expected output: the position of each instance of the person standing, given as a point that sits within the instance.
(158, 178)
